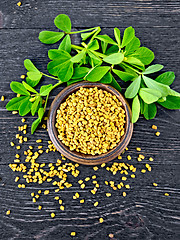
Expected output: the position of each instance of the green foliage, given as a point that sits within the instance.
(98, 58)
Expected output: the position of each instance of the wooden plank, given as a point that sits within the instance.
(40, 14)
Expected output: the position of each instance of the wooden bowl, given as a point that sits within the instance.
(77, 156)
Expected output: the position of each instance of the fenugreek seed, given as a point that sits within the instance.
(124, 194)
(94, 177)
(95, 168)
(2, 98)
(60, 201)
(103, 165)
(111, 235)
(157, 134)
(18, 147)
(151, 159)
(34, 200)
(25, 139)
(39, 207)
(124, 178)
(108, 194)
(81, 201)
(73, 234)
(127, 186)
(138, 149)
(39, 140)
(52, 215)
(8, 212)
(96, 204)
(133, 176)
(46, 192)
(32, 194)
(106, 182)
(119, 157)
(83, 186)
(14, 112)
(23, 185)
(101, 220)
(155, 184)
(12, 144)
(17, 156)
(16, 179)
(128, 157)
(23, 76)
(39, 191)
(24, 131)
(166, 194)
(141, 156)
(62, 208)
(87, 179)
(23, 120)
(154, 127)
(143, 170)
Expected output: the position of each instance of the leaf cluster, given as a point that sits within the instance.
(99, 58)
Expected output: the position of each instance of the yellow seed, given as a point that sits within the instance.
(154, 127)
(101, 220)
(81, 201)
(108, 194)
(34, 200)
(133, 176)
(87, 179)
(17, 156)
(46, 192)
(103, 165)
(124, 178)
(124, 194)
(39, 207)
(2, 98)
(62, 207)
(111, 235)
(32, 194)
(19, 185)
(94, 177)
(166, 194)
(83, 186)
(60, 201)
(23, 76)
(73, 234)
(119, 157)
(25, 139)
(138, 149)
(56, 198)
(16, 179)
(23, 120)
(23, 185)
(24, 131)
(106, 182)
(157, 134)
(141, 156)
(19, 4)
(12, 144)
(18, 147)
(155, 184)
(143, 170)
(8, 212)
(128, 157)
(14, 112)
(95, 204)
(127, 186)
(52, 215)
(39, 191)
(39, 140)
(95, 168)
(151, 159)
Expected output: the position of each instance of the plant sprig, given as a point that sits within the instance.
(98, 58)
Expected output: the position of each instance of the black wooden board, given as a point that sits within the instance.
(145, 213)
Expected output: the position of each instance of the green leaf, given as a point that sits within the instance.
(153, 69)
(15, 103)
(50, 37)
(133, 88)
(78, 57)
(166, 78)
(97, 73)
(74, 81)
(112, 49)
(30, 66)
(135, 109)
(35, 125)
(41, 113)
(25, 107)
(150, 83)
(129, 34)
(96, 60)
(80, 72)
(150, 110)
(35, 76)
(117, 35)
(19, 88)
(85, 36)
(32, 83)
(45, 90)
(115, 84)
(28, 87)
(149, 95)
(107, 78)
(134, 61)
(66, 44)
(63, 22)
(132, 46)
(105, 38)
(60, 58)
(145, 55)
(104, 46)
(172, 102)
(125, 76)
(66, 71)
(94, 45)
(174, 93)
(114, 58)
(60, 55)
(34, 106)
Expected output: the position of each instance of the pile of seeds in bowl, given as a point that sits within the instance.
(91, 121)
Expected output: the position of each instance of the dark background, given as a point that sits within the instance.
(145, 213)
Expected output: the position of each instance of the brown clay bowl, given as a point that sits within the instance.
(80, 157)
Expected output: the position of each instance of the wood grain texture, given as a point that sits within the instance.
(145, 213)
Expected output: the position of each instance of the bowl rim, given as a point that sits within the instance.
(78, 157)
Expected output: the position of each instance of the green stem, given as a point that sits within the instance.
(98, 54)
(128, 66)
(96, 33)
(56, 85)
(76, 47)
(85, 30)
(49, 76)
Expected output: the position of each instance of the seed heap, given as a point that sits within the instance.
(91, 121)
